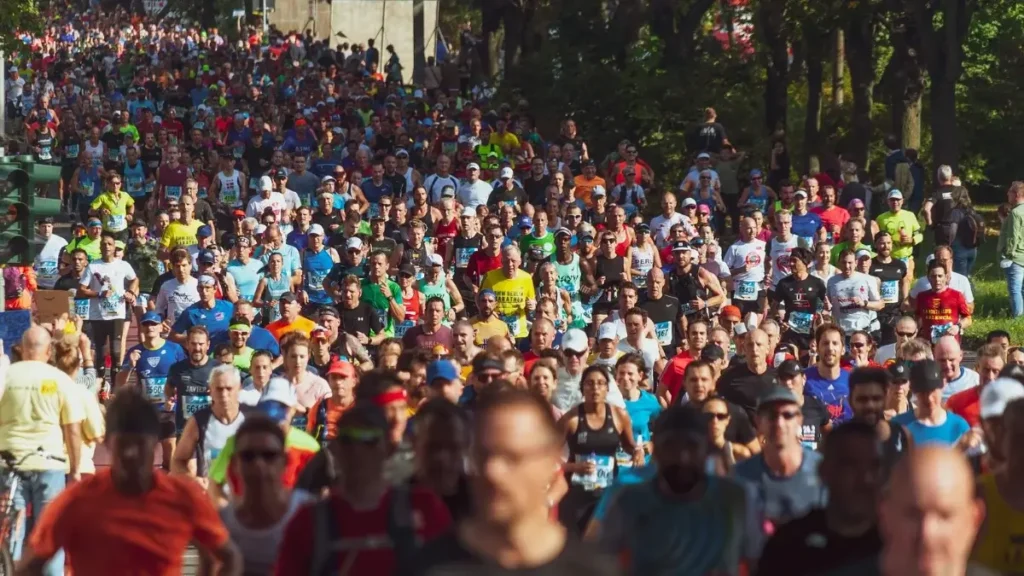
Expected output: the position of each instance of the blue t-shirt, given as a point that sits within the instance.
(153, 367)
(215, 319)
(259, 339)
(641, 412)
(784, 499)
(806, 227)
(948, 433)
(834, 394)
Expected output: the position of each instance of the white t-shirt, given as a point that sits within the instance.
(259, 547)
(46, 265)
(957, 282)
(968, 379)
(475, 194)
(841, 292)
(649, 349)
(257, 204)
(747, 284)
(662, 226)
(102, 276)
(174, 297)
(779, 252)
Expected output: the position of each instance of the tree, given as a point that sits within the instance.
(859, 34)
(770, 29)
(905, 76)
(18, 16)
(942, 51)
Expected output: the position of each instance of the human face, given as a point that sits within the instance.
(514, 461)
(595, 387)
(937, 277)
(542, 336)
(855, 477)
(830, 348)
(758, 345)
(259, 459)
(1015, 357)
(785, 224)
(628, 377)
(261, 369)
(224, 391)
(868, 403)
(198, 347)
(748, 228)
(949, 355)
(718, 414)
(699, 384)
(697, 336)
(780, 423)
(988, 368)
(848, 264)
(634, 326)
(680, 459)
(542, 381)
(510, 262)
(860, 348)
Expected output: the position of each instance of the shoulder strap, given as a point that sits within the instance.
(202, 418)
(325, 533)
(401, 530)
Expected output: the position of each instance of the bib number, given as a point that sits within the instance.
(513, 324)
(116, 223)
(172, 192)
(891, 291)
(403, 327)
(601, 477)
(800, 322)
(192, 404)
(462, 256)
(82, 308)
(154, 388)
(746, 291)
(939, 330)
(112, 307)
(664, 332)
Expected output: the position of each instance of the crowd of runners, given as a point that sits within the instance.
(395, 329)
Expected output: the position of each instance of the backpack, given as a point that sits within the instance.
(972, 229)
(14, 282)
(327, 539)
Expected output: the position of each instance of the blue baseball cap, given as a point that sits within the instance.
(525, 222)
(204, 232)
(152, 318)
(441, 370)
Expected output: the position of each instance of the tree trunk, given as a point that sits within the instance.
(625, 26)
(945, 147)
(906, 84)
(491, 15)
(776, 99)
(514, 24)
(911, 127)
(815, 54)
(860, 49)
(677, 28)
(838, 69)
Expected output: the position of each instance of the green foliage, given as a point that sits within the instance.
(18, 16)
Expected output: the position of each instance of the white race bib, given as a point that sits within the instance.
(602, 475)
(890, 291)
(746, 290)
(800, 322)
(664, 332)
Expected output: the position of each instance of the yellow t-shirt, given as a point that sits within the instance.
(487, 329)
(37, 400)
(512, 294)
(999, 546)
(117, 220)
(178, 235)
(508, 141)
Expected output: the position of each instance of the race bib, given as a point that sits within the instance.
(746, 291)
(191, 404)
(154, 388)
(300, 421)
(172, 192)
(622, 459)
(940, 330)
(382, 315)
(149, 186)
(44, 153)
(513, 324)
(229, 194)
(116, 222)
(664, 332)
(402, 327)
(800, 322)
(254, 183)
(112, 307)
(462, 256)
(133, 184)
(316, 280)
(640, 281)
(46, 272)
(81, 307)
(114, 154)
(891, 291)
(71, 151)
(601, 477)
(805, 242)
(374, 210)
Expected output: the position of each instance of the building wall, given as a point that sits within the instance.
(388, 22)
(291, 15)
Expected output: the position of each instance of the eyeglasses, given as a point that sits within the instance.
(573, 216)
(720, 416)
(690, 207)
(906, 334)
(630, 151)
(608, 241)
(705, 177)
(250, 456)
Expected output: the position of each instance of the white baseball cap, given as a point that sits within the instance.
(472, 166)
(894, 193)
(279, 390)
(997, 394)
(315, 229)
(506, 173)
(467, 211)
(354, 243)
(575, 340)
(436, 260)
(266, 183)
(607, 331)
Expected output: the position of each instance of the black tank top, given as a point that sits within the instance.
(894, 448)
(428, 220)
(686, 286)
(602, 442)
(611, 269)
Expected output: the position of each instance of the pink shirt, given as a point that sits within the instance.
(310, 389)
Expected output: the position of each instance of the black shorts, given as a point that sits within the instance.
(748, 306)
(167, 428)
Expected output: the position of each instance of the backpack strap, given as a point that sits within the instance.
(202, 418)
(401, 529)
(325, 532)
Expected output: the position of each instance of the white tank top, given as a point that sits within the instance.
(230, 188)
(643, 260)
(95, 152)
(217, 434)
(779, 254)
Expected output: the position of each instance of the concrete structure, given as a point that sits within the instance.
(299, 15)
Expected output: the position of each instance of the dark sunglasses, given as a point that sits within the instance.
(573, 353)
(906, 334)
(608, 241)
(720, 416)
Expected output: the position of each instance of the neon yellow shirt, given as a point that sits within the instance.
(511, 294)
(893, 222)
(178, 235)
(116, 220)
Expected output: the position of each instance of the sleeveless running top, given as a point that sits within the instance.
(1000, 544)
(643, 260)
(440, 289)
(427, 220)
(95, 153)
(759, 198)
(412, 313)
(89, 181)
(247, 276)
(445, 234)
(135, 179)
(172, 180)
(315, 267)
(569, 275)
(894, 447)
(611, 269)
(276, 288)
(216, 436)
(230, 193)
(597, 445)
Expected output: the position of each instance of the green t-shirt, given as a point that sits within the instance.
(546, 243)
(375, 298)
(838, 248)
(91, 247)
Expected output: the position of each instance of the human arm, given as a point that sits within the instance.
(184, 460)
(457, 304)
(714, 288)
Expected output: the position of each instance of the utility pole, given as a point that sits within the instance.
(3, 96)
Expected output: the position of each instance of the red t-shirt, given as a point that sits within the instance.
(834, 216)
(672, 377)
(967, 405)
(481, 263)
(935, 309)
(364, 530)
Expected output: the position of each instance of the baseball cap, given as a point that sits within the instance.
(524, 222)
(575, 340)
(777, 395)
(997, 394)
(731, 313)
(204, 232)
(328, 178)
(704, 209)
(800, 192)
(712, 352)
(448, 192)
(472, 166)
(894, 193)
(266, 183)
(703, 156)
(441, 370)
(436, 260)
(607, 331)
(327, 311)
(152, 318)
(855, 203)
(789, 369)
(315, 230)
(925, 376)
(756, 173)
(354, 243)
(280, 392)
(680, 419)
(207, 280)
(689, 202)
(598, 191)
(899, 371)
(644, 227)
(863, 253)
(680, 246)
(238, 213)
(407, 270)
(506, 173)
(563, 231)
(206, 257)
(482, 363)
(287, 297)
(467, 212)
(341, 368)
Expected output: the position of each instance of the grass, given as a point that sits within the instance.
(991, 298)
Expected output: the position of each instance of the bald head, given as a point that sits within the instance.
(931, 515)
(947, 346)
(949, 355)
(35, 344)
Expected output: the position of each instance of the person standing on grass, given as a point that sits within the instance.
(1011, 248)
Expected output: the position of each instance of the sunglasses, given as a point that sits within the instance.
(720, 416)
(906, 334)
(573, 353)
(573, 216)
(858, 344)
(250, 456)
(608, 241)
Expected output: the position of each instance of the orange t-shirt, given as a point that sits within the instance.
(106, 532)
(278, 328)
(334, 412)
(585, 187)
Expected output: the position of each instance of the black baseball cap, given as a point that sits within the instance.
(680, 246)
(287, 297)
(899, 371)
(925, 376)
(407, 269)
(712, 352)
(789, 369)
